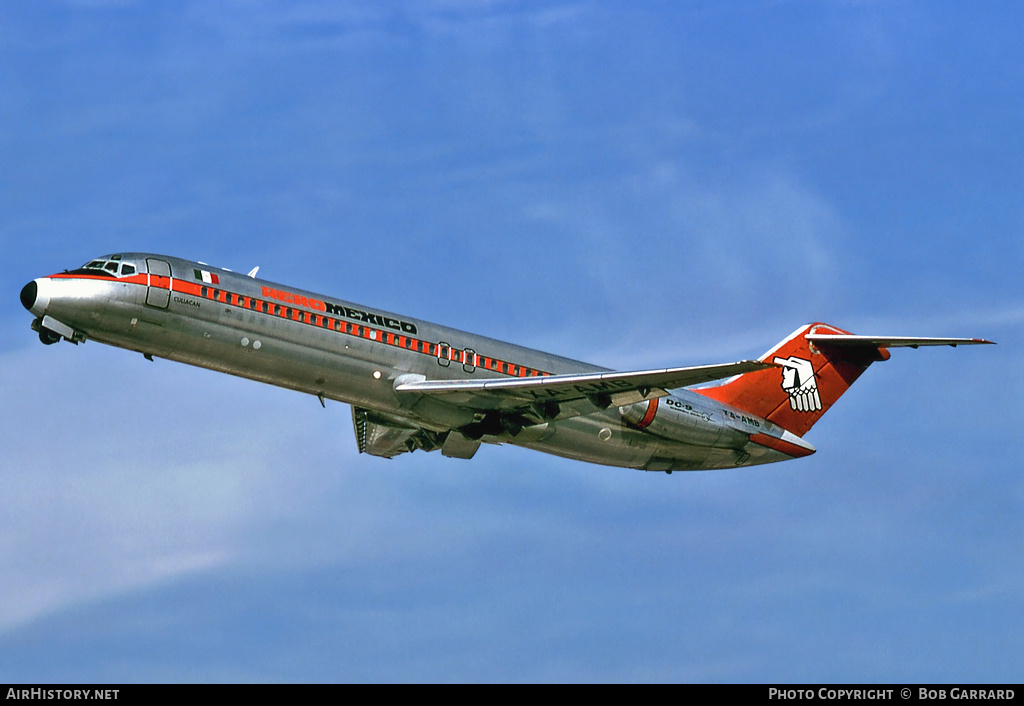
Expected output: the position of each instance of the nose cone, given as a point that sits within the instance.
(28, 295)
(35, 296)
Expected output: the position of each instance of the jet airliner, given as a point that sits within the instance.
(414, 385)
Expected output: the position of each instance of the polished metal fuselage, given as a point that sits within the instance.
(347, 352)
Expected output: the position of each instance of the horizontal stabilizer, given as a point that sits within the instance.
(818, 363)
(890, 341)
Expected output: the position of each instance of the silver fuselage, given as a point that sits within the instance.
(337, 350)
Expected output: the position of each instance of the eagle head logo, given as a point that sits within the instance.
(800, 384)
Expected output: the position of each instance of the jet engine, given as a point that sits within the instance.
(677, 419)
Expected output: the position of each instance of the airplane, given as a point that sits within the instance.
(414, 385)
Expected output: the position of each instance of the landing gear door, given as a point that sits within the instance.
(159, 291)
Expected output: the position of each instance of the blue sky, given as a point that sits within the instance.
(633, 184)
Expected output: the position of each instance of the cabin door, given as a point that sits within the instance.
(159, 291)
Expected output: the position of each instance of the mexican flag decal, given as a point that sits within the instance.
(207, 277)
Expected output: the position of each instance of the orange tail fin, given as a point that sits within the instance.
(810, 380)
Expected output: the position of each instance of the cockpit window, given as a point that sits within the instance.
(108, 267)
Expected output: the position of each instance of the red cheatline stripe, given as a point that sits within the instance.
(184, 287)
(214, 293)
(780, 445)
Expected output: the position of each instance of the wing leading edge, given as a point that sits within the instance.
(600, 389)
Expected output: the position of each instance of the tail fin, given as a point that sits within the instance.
(811, 377)
(818, 363)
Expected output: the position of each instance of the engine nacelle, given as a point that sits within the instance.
(677, 419)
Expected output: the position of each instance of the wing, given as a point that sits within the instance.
(570, 395)
(507, 405)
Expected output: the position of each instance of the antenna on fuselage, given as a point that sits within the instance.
(253, 272)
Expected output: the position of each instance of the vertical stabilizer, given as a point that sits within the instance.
(811, 377)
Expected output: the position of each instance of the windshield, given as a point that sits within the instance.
(111, 266)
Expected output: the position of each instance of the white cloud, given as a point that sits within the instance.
(116, 478)
(683, 260)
